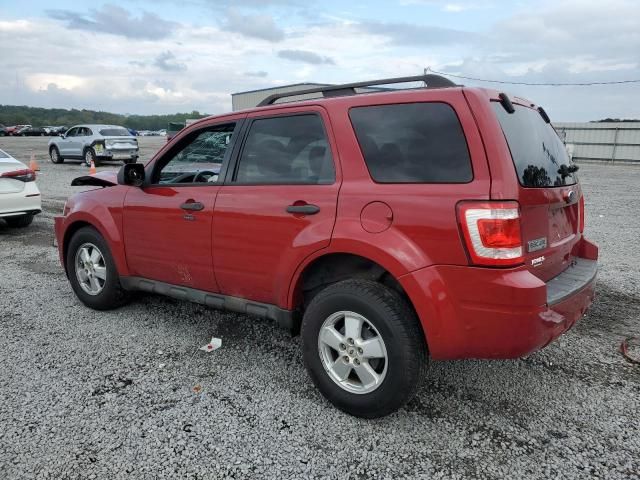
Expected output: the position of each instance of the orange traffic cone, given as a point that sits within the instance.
(33, 165)
(92, 168)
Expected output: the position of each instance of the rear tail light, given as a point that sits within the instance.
(26, 175)
(582, 214)
(492, 232)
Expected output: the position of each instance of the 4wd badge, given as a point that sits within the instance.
(537, 261)
(537, 244)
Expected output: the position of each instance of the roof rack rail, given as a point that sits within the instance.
(431, 80)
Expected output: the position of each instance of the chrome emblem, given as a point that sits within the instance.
(537, 244)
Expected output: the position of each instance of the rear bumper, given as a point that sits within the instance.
(117, 155)
(26, 202)
(470, 312)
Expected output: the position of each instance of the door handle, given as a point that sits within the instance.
(305, 209)
(192, 206)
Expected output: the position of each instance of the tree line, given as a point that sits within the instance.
(39, 117)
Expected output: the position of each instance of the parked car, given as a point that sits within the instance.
(3, 130)
(442, 222)
(95, 143)
(15, 129)
(31, 132)
(53, 130)
(19, 194)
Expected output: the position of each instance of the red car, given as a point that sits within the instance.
(395, 226)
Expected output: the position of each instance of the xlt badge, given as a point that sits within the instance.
(537, 244)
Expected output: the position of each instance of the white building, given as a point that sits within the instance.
(602, 141)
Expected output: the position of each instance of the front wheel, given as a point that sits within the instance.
(363, 347)
(92, 271)
(54, 155)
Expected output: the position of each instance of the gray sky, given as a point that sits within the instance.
(164, 56)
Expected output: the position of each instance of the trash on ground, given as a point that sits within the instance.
(624, 349)
(214, 344)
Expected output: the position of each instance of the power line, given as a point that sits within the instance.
(534, 84)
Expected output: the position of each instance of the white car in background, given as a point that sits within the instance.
(19, 194)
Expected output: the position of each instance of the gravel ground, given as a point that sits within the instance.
(127, 393)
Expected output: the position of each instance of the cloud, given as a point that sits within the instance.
(117, 21)
(50, 65)
(305, 57)
(457, 7)
(258, 74)
(167, 61)
(253, 26)
(411, 34)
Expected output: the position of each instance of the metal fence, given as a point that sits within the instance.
(609, 142)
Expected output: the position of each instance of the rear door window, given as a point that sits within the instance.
(289, 150)
(412, 143)
(540, 157)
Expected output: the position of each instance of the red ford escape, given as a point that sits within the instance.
(441, 222)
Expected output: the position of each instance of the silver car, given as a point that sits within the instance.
(94, 142)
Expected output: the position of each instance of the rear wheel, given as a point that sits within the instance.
(19, 222)
(363, 347)
(92, 271)
(90, 155)
(54, 155)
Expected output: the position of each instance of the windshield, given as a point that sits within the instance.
(115, 132)
(539, 155)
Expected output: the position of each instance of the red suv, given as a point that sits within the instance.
(393, 225)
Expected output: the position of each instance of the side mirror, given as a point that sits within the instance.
(131, 174)
(63, 135)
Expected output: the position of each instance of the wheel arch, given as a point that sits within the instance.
(115, 244)
(331, 267)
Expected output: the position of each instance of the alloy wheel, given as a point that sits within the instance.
(91, 269)
(352, 352)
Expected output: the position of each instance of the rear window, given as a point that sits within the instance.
(412, 143)
(115, 132)
(538, 153)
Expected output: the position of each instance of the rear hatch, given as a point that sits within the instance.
(549, 192)
(119, 138)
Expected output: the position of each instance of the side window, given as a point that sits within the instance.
(412, 143)
(286, 150)
(197, 158)
(87, 132)
(72, 132)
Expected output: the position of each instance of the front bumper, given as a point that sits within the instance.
(58, 228)
(473, 312)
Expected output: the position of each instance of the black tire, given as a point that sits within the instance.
(88, 155)
(54, 155)
(112, 294)
(397, 324)
(19, 222)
